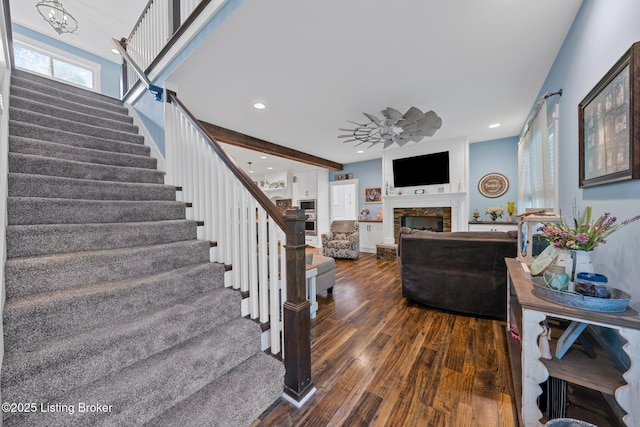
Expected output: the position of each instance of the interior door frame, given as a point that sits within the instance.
(333, 184)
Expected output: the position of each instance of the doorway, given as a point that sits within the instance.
(343, 199)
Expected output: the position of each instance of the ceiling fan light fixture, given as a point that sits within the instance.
(395, 127)
(54, 13)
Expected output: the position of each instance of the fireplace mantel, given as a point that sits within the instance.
(454, 200)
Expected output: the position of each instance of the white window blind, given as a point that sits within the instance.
(537, 186)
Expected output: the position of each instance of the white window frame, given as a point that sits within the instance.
(63, 56)
(548, 145)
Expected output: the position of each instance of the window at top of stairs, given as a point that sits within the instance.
(52, 65)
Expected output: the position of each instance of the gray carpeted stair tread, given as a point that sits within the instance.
(63, 90)
(23, 92)
(18, 144)
(141, 391)
(30, 130)
(35, 210)
(46, 239)
(21, 115)
(234, 399)
(50, 166)
(29, 185)
(80, 359)
(74, 310)
(110, 299)
(75, 116)
(28, 276)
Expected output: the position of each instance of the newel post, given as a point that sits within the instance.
(296, 314)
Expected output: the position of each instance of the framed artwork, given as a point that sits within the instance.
(373, 195)
(493, 185)
(609, 125)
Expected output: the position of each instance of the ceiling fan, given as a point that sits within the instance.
(396, 127)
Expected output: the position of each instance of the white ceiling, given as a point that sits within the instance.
(317, 64)
(99, 22)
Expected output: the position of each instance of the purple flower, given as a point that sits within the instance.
(582, 237)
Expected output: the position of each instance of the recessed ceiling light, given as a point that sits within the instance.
(360, 151)
(263, 157)
(259, 106)
(115, 51)
(269, 168)
(495, 125)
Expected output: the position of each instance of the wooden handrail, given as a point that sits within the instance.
(141, 75)
(246, 181)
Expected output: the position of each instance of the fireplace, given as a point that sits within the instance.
(435, 219)
(450, 206)
(430, 223)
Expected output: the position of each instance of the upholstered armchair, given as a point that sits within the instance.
(342, 240)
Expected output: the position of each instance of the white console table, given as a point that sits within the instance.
(597, 374)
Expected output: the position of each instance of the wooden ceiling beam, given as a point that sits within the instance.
(238, 139)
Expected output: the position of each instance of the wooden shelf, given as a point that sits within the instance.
(602, 373)
(598, 374)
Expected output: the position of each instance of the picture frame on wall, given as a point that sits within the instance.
(373, 195)
(609, 125)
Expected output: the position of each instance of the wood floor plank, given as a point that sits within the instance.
(379, 359)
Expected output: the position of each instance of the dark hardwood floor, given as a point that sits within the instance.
(379, 359)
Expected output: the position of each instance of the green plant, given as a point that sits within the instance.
(584, 234)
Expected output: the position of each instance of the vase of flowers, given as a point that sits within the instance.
(494, 212)
(581, 237)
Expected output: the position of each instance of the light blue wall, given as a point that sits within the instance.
(109, 71)
(495, 156)
(368, 174)
(601, 33)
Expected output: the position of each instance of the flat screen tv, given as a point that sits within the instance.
(421, 170)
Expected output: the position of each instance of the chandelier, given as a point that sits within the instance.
(55, 14)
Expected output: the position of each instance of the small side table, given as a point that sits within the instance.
(526, 310)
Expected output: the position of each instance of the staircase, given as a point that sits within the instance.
(114, 315)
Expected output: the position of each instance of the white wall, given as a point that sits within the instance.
(458, 163)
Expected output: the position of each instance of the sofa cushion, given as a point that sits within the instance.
(341, 236)
(324, 263)
(339, 244)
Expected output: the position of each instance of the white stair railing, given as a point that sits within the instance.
(158, 25)
(247, 237)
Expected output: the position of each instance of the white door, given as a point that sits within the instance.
(344, 199)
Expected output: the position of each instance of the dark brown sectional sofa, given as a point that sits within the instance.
(463, 272)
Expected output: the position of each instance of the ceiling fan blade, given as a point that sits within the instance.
(346, 136)
(391, 114)
(402, 142)
(387, 144)
(413, 114)
(349, 140)
(359, 124)
(373, 118)
(410, 127)
(346, 130)
(430, 123)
